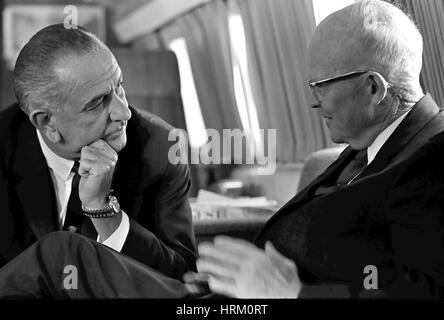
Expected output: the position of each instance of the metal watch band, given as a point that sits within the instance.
(112, 209)
(100, 215)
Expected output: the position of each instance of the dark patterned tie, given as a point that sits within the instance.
(354, 168)
(351, 171)
(74, 216)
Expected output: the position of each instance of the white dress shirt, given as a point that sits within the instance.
(61, 175)
(374, 148)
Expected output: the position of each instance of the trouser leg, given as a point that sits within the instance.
(66, 265)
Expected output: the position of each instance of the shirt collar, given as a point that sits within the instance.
(374, 148)
(62, 167)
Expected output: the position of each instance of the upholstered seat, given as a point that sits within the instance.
(316, 163)
(247, 228)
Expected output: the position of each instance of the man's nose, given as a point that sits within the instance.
(119, 110)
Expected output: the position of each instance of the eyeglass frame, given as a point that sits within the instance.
(345, 76)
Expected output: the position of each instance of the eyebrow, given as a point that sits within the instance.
(96, 99)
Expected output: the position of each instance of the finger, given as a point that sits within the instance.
(189, 276)
(85, 166)
(97, 156)
(99, 144)
(220, 269)
(238, 246)
(104, 146)
(222, 287)
(271, 250)
(92, 152)
(88, 167)
(196, 283)
(207, 249)
(233, 249)
(277, 256)
(194, 277)
(282, 265)
(195, 289)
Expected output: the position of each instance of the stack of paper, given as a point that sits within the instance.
(209, 205)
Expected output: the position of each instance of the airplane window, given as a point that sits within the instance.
(193, 114)
(242, 87)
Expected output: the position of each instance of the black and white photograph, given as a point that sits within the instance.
(225, 158)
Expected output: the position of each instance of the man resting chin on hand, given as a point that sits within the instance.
(76, 157)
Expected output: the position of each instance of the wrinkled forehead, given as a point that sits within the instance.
(86, 73)
(83, 66)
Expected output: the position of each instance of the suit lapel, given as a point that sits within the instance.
(128, 180)
(421, 114)
(33, 182)
(306, 194)
(323, 178)
(126, 184)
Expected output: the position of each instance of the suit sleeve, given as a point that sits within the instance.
(168, 245)
(7, 227)
(412, 211)
(415, 214)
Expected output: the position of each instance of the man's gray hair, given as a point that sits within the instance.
(35, 81)
(394, 41)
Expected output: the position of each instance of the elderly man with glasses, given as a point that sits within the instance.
(371, 225)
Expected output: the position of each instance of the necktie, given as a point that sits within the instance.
(351, 171)
(354, 168)
(74, 216)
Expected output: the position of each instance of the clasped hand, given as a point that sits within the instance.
(239, 269)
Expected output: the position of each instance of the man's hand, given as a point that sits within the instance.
(196, 283)
(239, 269)
(97, 163)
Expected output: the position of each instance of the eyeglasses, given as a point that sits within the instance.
(314, 84)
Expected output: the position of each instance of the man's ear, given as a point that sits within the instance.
(44, 121)
(378, 87)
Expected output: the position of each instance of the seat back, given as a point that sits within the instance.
(152, 82)
(316, 163)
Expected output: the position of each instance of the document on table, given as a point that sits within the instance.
(210, 205)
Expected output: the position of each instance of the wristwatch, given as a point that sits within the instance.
(112, 209)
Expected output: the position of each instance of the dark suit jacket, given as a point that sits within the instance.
(391, 217)
(150, 190)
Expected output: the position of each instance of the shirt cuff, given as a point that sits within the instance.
(118, 238)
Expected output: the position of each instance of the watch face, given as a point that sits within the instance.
(114, 204)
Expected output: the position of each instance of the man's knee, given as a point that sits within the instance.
(60, 241)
